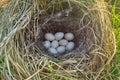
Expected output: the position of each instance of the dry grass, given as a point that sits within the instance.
(24, 61)
(4, 2)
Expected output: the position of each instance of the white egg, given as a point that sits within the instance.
(63, 42)
(70, 46)
(49, 36)
(55, 44)
(46, 44)
(52, 50)
(69, 36)
(59, 35)
(61, 49)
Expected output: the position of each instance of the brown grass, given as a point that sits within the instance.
(4, 2)
(24, 27)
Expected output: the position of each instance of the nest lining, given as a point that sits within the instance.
(84, 36)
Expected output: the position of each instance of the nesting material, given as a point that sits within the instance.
(95, 43)
(59, 42)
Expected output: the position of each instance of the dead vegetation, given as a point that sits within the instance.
(22, 31)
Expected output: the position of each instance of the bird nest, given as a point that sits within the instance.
(94, 40)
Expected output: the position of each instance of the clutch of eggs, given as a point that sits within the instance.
(59, 42)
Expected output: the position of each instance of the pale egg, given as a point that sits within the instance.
(52, 50)
(59, 35)
(63, 42)
(55, 44)
(69, 36)
(61, 49)
(46, 44)
(70, 46)
(49, 36)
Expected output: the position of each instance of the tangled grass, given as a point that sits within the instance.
(21, 60)
(3, 2)
(113, 70)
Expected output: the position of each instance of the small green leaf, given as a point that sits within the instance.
(51, 70)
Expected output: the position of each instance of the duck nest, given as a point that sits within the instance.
(23, 30)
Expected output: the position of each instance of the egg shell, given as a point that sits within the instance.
(59, 35)
(49, 36)
(63, 42)
(55, 44)
(70, 46)
(69, 36)
(46, 44)
(61, 49)
(52, 50)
